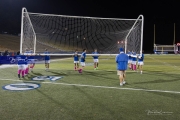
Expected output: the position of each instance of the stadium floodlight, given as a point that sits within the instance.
(62, 34)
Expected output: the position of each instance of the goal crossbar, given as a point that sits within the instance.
(42, 14)
(78, 54)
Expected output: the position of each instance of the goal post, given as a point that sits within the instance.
(62, 34)
(28, 35)
(141, 34)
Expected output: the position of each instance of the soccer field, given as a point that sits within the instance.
(94, 94)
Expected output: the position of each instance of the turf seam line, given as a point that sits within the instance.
(165, 63)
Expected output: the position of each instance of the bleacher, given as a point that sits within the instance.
(12, 44)
(9, 42)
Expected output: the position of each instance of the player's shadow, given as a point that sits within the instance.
(174, 78)
(30, 76)
(164, 94)
(101, 75)
(58, 103)
(167, 95)
(94, 100)
(163, 74)
(37, 74)
(158, 81)
(58, 73)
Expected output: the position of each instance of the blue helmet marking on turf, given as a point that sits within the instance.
(51, 78)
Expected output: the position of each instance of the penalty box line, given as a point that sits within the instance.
(105, 87)
(165, 63)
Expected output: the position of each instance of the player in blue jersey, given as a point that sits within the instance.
(32, 61)
(122, 63)
(47, 60)
(95, 59)
(141, 62)
(83, 59)
(76, 60)
(21, 61)
(134, 60)
(27, 65)
(129, 59)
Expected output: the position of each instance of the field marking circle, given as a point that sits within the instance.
(21, 86)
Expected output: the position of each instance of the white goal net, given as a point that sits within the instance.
(62, 34)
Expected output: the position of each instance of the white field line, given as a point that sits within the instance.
(165, 63)
(7, 66)
(105, 87)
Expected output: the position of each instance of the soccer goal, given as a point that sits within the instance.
(62, 34)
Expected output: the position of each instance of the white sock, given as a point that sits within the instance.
(121, 84)
(124, 82)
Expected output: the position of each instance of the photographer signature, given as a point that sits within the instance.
(158, 112)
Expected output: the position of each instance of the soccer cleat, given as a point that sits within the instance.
(31, 70)
(80, 71)
(94, 68)
(124, 82)
(121, 84)
(19, 76)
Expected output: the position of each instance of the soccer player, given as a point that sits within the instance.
(129, 59)
(83, 59)
(96, 60)
(134, 60)
(31, 57)
(47, 60)
(6, 53)
(76, 60)
(21, 60)
(27, 65)
(140, 61)
(122, 63)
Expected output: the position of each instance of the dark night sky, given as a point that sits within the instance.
(162, 13)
